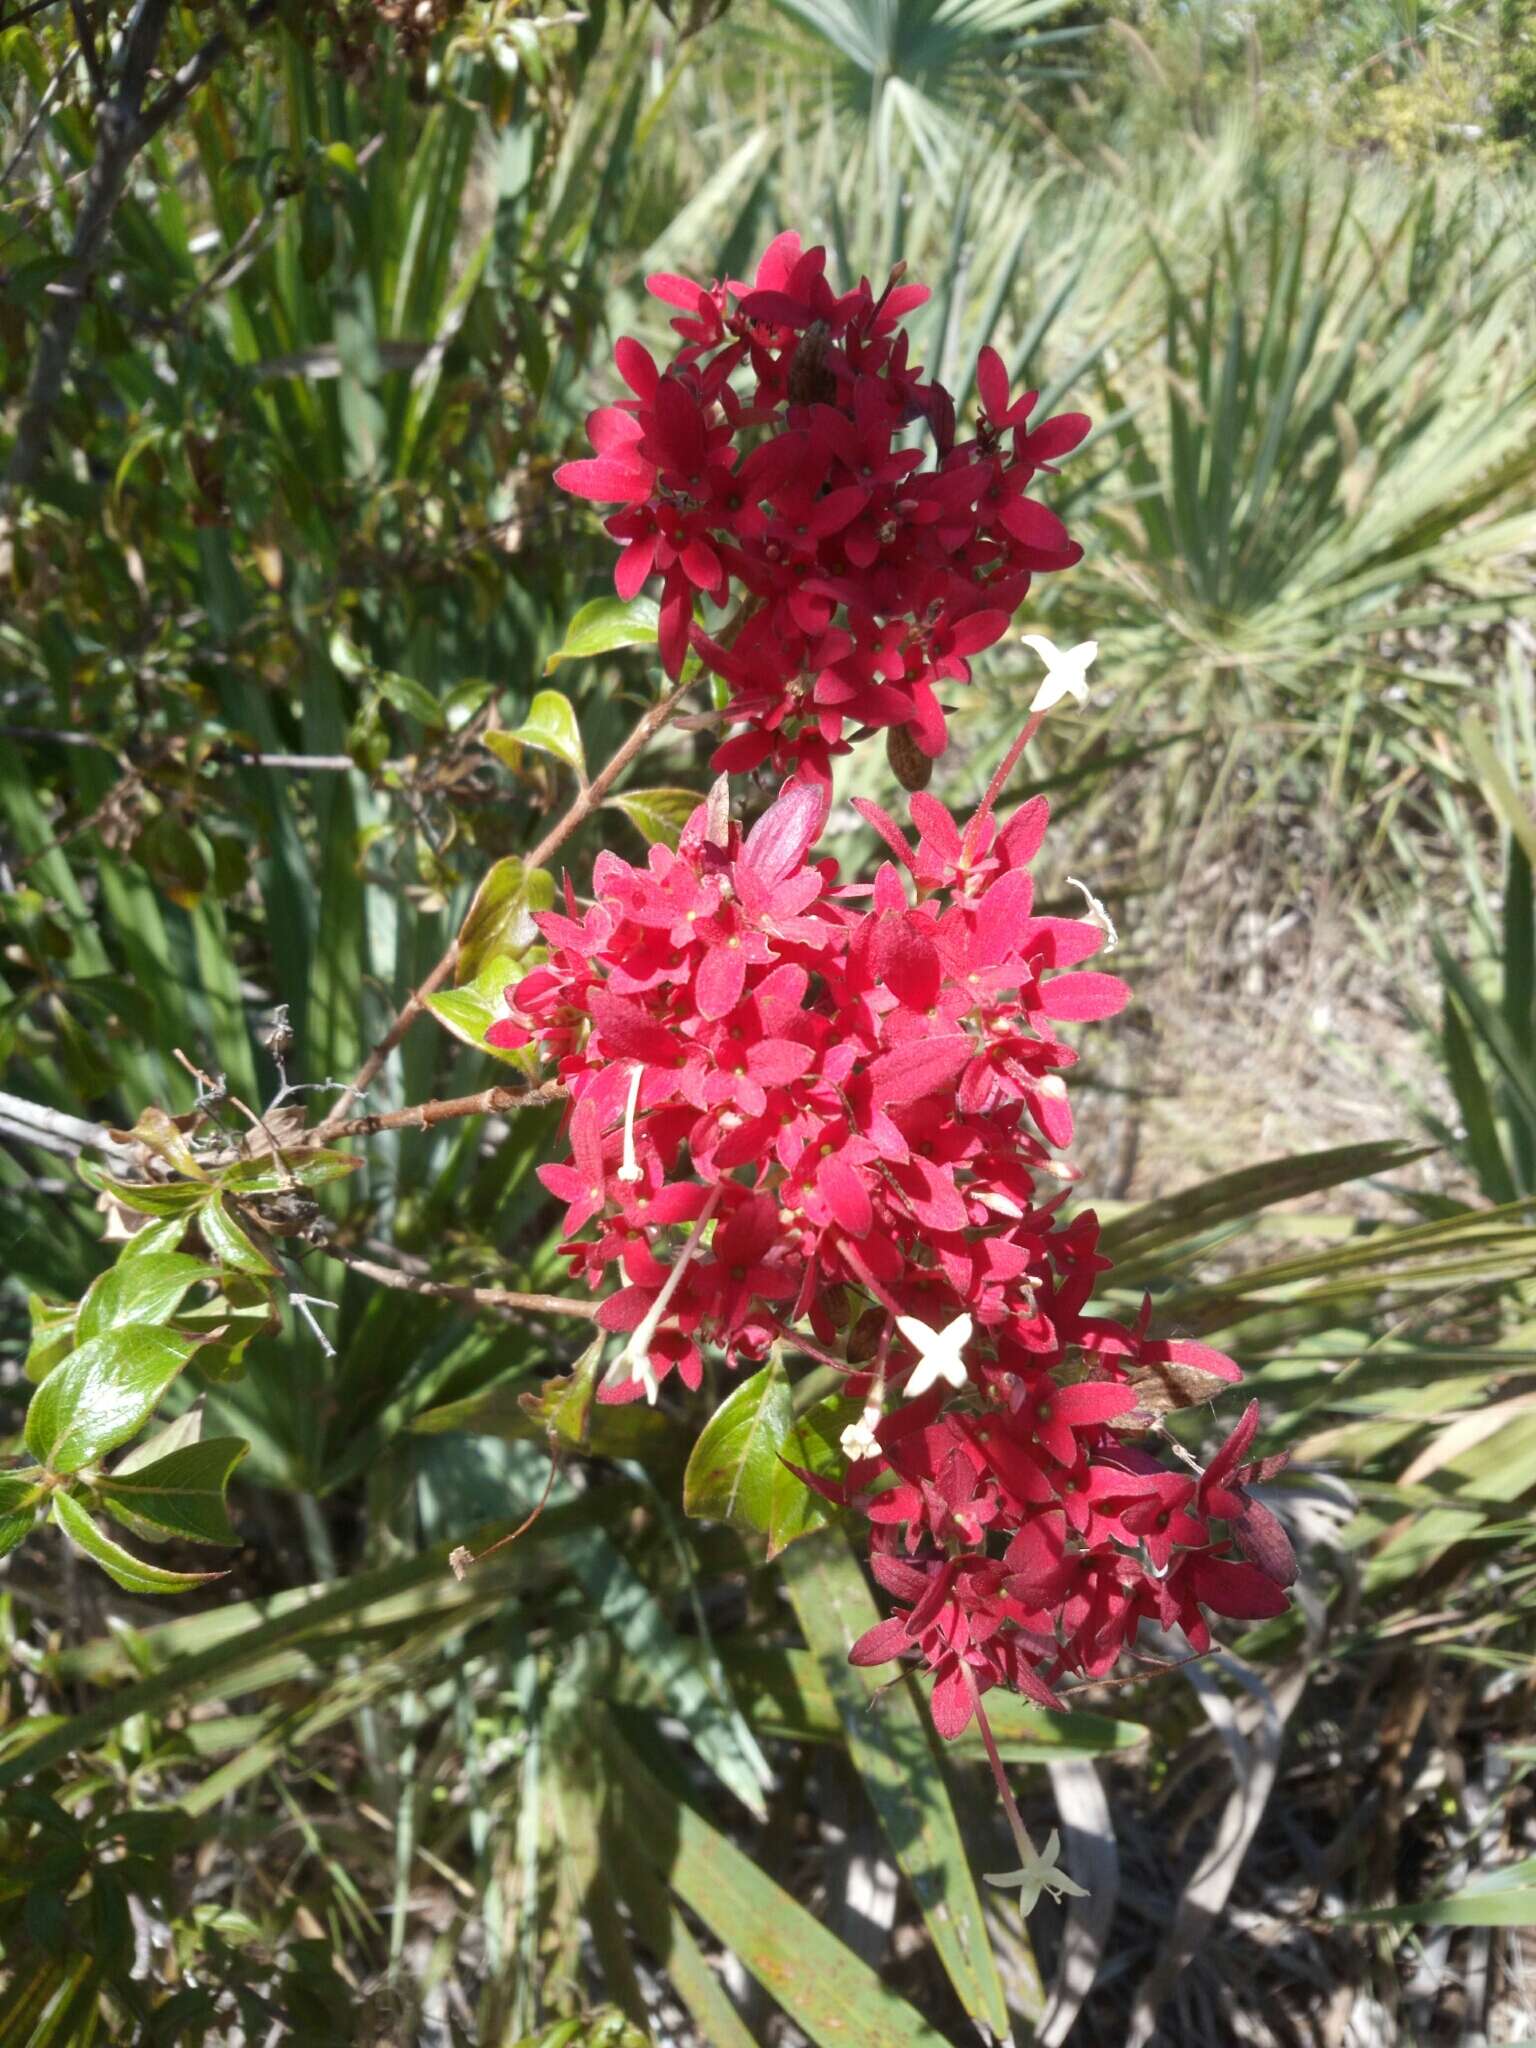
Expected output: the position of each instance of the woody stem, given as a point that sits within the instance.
(585, 802)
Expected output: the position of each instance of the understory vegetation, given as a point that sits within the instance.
(304, 662)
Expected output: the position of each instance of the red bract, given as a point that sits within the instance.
(770, 464)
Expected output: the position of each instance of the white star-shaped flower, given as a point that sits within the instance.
(938, 1353)
(1066, 671)
(1041, 1872)
(859, 1441)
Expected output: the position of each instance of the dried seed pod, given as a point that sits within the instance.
(912, 768)
(811, 382)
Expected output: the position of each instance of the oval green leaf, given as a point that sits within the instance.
(102, 1394)
(549, 728)
(658, 815)
(734, 1466)
(121, 1566)
(182, 1493)
(605, 625)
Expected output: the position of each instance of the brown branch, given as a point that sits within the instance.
(587, 800)
(410, 1010)
(504, 1300)
(85, 35)
(48, 735)
(124, 124)
(590, 799)
(26, 13)
(421, 1116)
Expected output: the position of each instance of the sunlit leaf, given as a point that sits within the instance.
(549, 728)
(102, 1394)
(659, 815)
(604, 626)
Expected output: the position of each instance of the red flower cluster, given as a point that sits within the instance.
(1028, 1535)
(858, 1096)
(830, 1105)
(825, 1112)
(767, 461)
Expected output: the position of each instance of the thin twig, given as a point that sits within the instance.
(54, 87)
(327, 764)
(26, 14)
(51, 1130)
(306, 1304)
(215, 1091)
(460, 1560)
(504, 1300)
(124, 125)
(421, 1116)
(410, 1010)
(587, 800)
(85, 35)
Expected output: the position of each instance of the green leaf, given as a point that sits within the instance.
(1499, 788)
(403, 692)
(812, 1443)
(175, 858)
(824, 1987)
(738, 1473)
(143, 1290)
(659, 815)
(102, 1394)
(181, 1493)
(150, 1240)
(128, 1571)
(229, 1243)
(53, 1334)
(1235, 1196)
(20, 1498)
(499, 924)
(469, 1012)
(146, 1197)
(409, 696)
(550, 727)
(734, 1467)
(1495, 1898)
(606, 2027)
(628, 1430)
(893, 1746)
(605, 625)
(565, 1406)
(309, 1169)
(786, 1696)
(184, 1429)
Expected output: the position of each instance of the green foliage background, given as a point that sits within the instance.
(279, 597)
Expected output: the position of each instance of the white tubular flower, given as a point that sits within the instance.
(634, 1361)
(1097, 914)
(938, 1351)
(858, 1440)
(630, 1170)
(1041, 1872)
(1066, 670)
